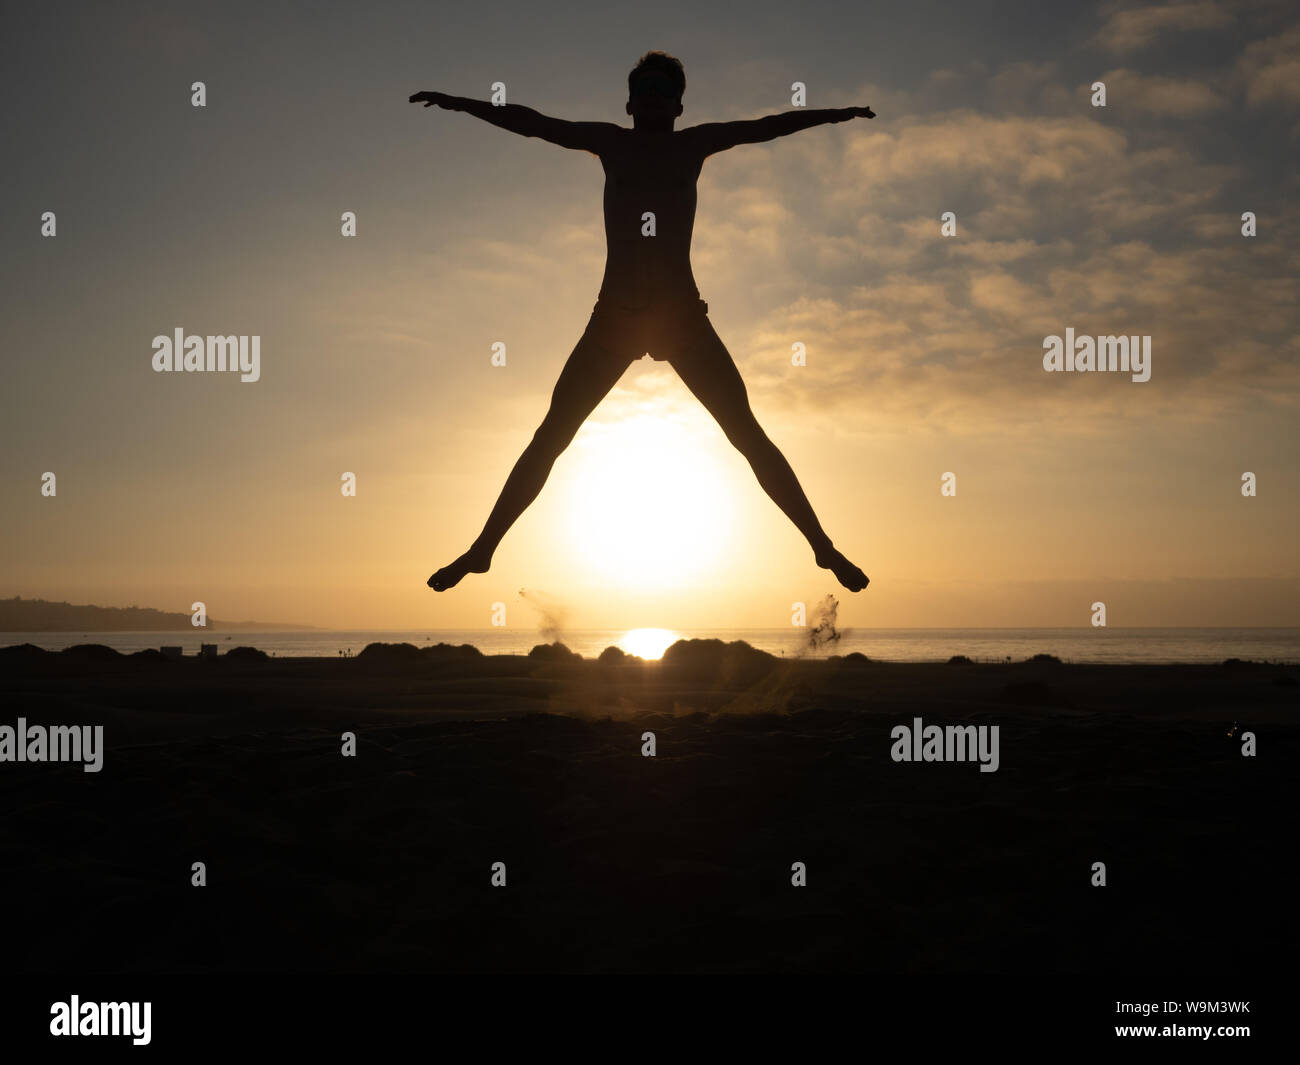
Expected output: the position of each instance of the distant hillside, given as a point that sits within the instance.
(40, 615)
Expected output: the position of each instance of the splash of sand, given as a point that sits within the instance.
(785, 685)
(551, 614)
(823, 632)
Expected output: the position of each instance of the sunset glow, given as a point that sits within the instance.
(648, 504)
(648, 643)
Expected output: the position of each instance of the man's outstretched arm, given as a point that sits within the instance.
(719, 136)
(585, 136)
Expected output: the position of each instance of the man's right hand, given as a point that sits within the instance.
(430, 99)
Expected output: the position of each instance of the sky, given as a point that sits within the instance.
(924, 351)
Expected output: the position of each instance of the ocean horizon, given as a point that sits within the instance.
(1080, 645)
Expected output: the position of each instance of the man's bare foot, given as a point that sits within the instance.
(449, 576)
(845, 571)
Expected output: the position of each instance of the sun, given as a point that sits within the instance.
(647, 643)
(649, 505)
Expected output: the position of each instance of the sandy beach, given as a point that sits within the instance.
(618, 862)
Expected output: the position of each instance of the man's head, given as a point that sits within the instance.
(654, 91)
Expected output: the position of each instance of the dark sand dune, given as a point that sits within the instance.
(617, 862)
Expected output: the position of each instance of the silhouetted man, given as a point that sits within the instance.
(648, 301)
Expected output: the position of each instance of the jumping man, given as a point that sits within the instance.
(648, 301)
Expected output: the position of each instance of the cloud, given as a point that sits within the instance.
(1001, 295)
(1270, 69)
(1153, 94)
(1128, 29)
(1029, 87)
(1000, 154)
(999, 252)
(1063, 220)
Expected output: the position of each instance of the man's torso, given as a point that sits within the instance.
(649, 174)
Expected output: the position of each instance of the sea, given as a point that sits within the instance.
(1092, 645)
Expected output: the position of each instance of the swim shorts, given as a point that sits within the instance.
(662, 330)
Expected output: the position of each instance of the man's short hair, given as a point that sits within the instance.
(658, 63)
